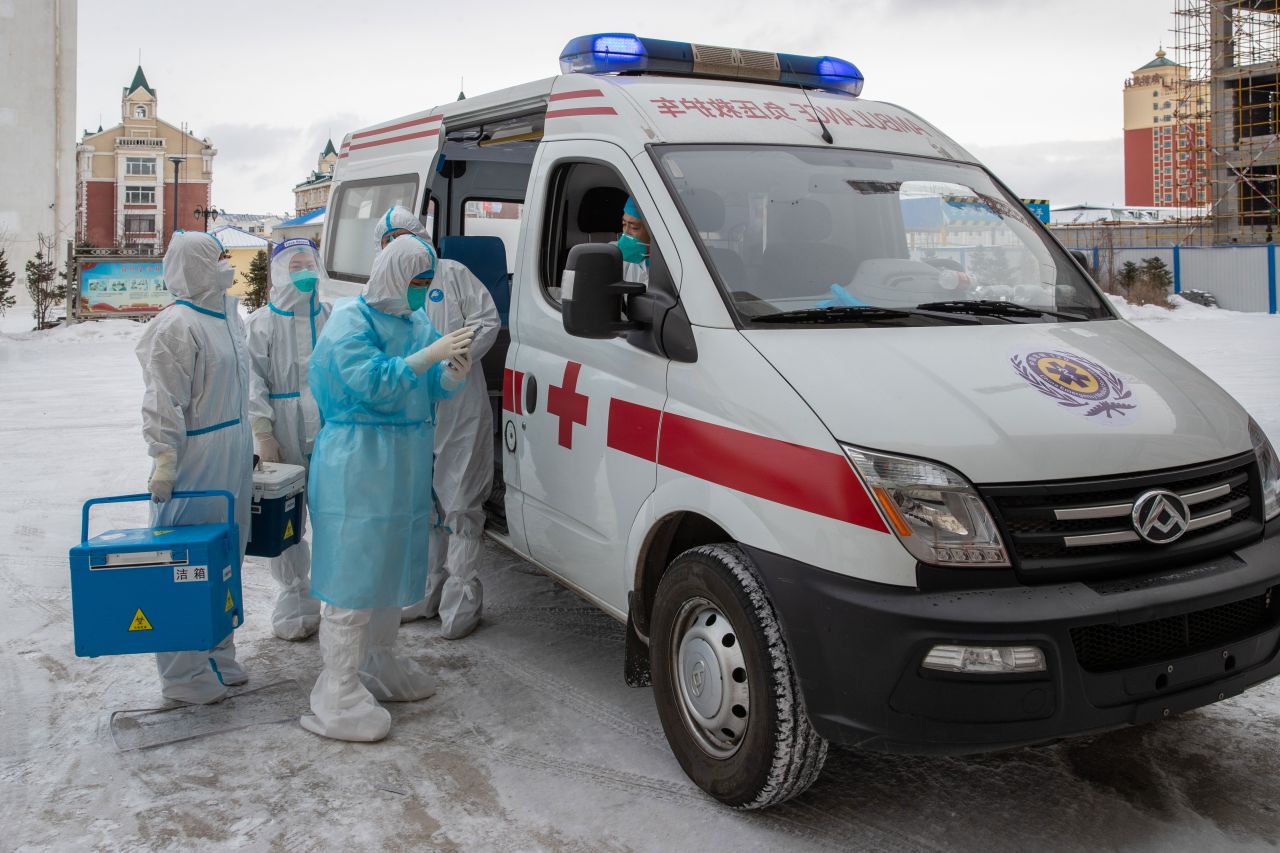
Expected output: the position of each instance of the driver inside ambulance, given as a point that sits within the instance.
(633, 242)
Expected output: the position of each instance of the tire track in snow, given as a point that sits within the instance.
(579, 621)
(797, 817)
(560, 693)
(52, 602)
(675, 792)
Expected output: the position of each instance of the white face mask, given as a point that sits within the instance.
(226, 275)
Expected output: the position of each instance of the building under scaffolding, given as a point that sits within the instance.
(1234, 47)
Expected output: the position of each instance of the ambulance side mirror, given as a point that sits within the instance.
(592, 292)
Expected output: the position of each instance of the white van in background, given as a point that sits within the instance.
(868, 458)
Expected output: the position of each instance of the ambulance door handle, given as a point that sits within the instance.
(530, 394)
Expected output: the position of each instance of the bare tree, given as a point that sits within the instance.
(44, 284)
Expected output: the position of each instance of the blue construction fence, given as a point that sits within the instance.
(1242, 278)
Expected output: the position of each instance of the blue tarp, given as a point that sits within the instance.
(303, 219)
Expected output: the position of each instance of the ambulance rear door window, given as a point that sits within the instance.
(350, 253)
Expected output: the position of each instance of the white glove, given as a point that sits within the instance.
(458, 367)
(451, 345)
(164, 472)
(268, 447)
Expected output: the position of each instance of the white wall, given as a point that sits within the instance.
(37, 128)
(1237, 275)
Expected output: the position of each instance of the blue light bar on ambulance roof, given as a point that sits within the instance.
(624, 53)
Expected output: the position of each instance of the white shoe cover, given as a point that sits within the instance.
(188, 677)
(437, 550)
(224, 663)
(388, 676)
(341, 707)
(296, 615)
(461, 596)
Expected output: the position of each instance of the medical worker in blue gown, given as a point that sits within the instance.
(377, 376)
(195, 421)
(285, 419)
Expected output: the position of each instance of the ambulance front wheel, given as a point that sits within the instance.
(724, 683)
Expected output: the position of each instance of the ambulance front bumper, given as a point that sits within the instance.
(1116, 652)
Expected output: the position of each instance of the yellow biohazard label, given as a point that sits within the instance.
(288, 529)
(231, 605)
(161, 532)
(140, 622)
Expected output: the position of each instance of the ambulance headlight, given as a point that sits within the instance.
(936, 514)
(1268, 470)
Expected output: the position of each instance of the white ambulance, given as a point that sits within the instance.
(864, 456)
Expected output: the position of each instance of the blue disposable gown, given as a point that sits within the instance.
(370, 483)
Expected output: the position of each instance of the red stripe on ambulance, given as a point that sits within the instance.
(805, 478)
(376, 142)
(582, 111)
(633, 429)
(512, 391)
(401, 126)
(577, 93)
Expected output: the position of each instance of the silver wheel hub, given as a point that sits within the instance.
(711, 678)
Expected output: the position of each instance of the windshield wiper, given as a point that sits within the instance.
(994, 308)
(835, 314)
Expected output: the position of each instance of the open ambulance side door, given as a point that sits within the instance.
(380, 166)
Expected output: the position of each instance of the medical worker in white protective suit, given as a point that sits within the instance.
(195, 420)
(377, 377)
(464, 444)
(283, 411)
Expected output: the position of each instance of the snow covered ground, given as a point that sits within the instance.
(532, 741)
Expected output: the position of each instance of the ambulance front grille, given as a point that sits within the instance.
(1107, 647)
(1083, 529)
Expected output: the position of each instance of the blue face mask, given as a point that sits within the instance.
(633, 251)
(304, 280)
(417, 297)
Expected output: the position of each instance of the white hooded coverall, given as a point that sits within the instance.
(195, 413)
(282, 335)
(463, 446)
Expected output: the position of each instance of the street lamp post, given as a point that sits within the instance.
(207, 213)
(177, 164)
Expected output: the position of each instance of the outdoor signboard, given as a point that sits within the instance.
(1038, 206)
(119, 287)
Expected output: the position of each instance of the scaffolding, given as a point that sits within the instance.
(1228, 110)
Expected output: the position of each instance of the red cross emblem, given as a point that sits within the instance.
(567, 404)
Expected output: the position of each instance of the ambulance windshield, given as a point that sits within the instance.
(803, 232)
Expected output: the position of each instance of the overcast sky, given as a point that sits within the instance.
(1033, 88)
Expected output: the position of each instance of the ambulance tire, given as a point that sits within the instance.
(778, 755)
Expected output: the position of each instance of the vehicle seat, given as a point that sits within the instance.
(486, 257)
(600, 214)
(706, 210)
(796, 261)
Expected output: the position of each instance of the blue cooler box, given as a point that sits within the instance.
(279, 498)
(171, 589)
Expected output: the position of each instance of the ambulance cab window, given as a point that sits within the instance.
(793, 233)
(585, 206)
(357, 203)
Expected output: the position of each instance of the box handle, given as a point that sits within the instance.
(145, 496)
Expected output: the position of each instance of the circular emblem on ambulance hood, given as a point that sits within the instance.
(1075, 382)
(1160, 517)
